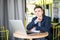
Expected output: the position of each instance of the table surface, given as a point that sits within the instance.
(31, 36)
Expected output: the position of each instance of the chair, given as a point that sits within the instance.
(56, 31)
(53, 30)
(3, 33)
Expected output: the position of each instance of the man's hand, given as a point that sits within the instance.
(39, 19)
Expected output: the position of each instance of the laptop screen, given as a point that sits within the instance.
(17, 26)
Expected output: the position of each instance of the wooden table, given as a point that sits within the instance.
(31, 36)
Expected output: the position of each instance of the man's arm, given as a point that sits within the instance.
(31, 24)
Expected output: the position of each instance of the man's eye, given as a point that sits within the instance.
(38, 11)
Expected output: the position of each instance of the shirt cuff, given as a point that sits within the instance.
(35, 22)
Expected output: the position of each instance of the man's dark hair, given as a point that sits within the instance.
(41, 8)
(38, 7)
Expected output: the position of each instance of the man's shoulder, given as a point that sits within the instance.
(34, 17)
(47, 17)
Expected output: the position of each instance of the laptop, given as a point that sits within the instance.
(17, 26)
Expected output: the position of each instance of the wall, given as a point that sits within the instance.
(1, 12)
(11, 10)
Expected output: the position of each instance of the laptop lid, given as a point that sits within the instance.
(17, 26)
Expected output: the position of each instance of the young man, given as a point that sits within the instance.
(40, 22)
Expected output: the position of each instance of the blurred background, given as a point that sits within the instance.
(24, 10)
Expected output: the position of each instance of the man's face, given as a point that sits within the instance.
(38, 12)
